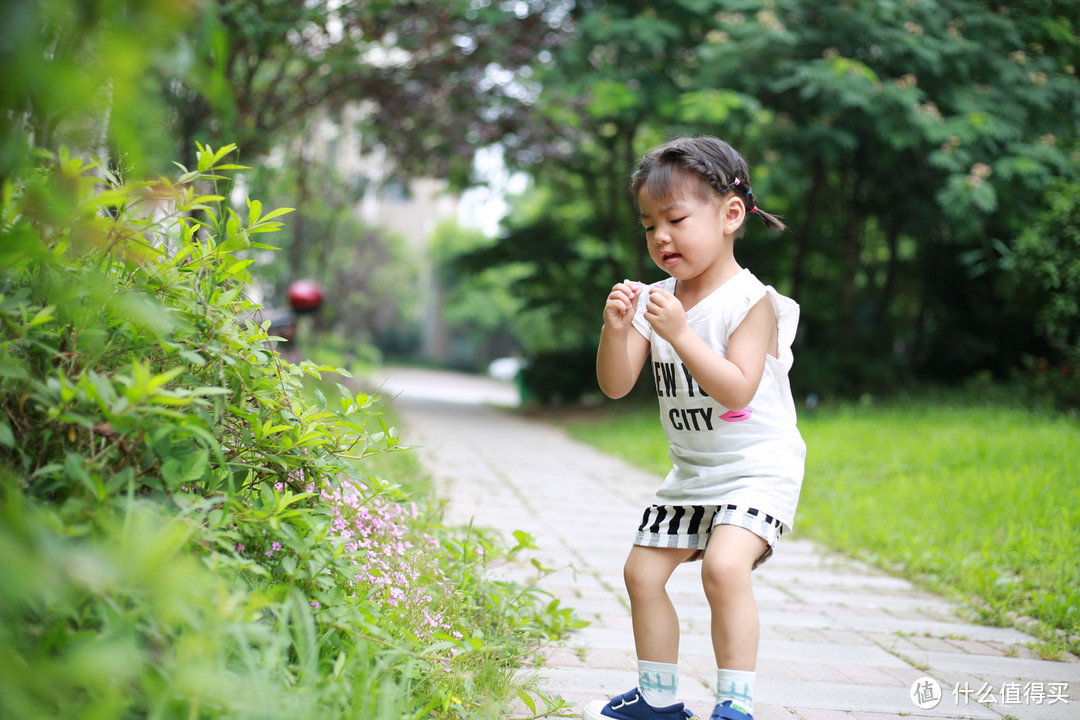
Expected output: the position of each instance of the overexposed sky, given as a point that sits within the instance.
(485, 206)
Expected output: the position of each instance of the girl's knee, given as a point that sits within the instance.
(722, 575)
(647, 569)
(637, 576)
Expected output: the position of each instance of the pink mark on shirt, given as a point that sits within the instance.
(737, 415)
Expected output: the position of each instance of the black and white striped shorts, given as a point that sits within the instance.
(689, 526)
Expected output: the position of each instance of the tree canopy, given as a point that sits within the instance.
(922, 153)
(910, 145)
(436, 80)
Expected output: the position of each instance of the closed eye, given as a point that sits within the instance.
(676, 221)
(649, 228)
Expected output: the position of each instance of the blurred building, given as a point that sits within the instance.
(406, 208)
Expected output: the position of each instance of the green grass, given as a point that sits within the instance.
(981, 502)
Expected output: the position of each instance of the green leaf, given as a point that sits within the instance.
(232, 227)
(610, 98)
(216, 517)
(266, 227)
(42, 316)
(120, 480)
(277, 213)
(188, 468)
(526, 698)
(15, 372)
(75, 467)
(711, 105)
(221, 153)
(210, 390)
(254, 211)
(46, 470)
(163, 379)
(193, 357)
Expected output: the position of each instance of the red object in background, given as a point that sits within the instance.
(305, 296)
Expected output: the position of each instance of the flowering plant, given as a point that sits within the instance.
(177, 501)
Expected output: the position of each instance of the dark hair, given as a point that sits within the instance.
(718, 167)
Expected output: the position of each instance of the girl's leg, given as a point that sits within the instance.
(656, 637)
(655, 622)
(725, 574)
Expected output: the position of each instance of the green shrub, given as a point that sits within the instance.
(187, 530)
(560, 376)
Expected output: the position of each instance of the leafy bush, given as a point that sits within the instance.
(560, 376)
(1043, 271)
(187, 530)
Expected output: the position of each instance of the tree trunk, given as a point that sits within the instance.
(638, 249)
(806, 228)
(885, 299)
(852, 250)
(303, 198)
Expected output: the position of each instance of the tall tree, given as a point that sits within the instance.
(614, 81)
(908, 143)
(437, 79)
(926, 126)
(73, 73)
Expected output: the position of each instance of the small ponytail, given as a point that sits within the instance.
(773, 222)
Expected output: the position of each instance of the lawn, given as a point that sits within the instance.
(978, 501)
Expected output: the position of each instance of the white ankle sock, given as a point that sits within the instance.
(736, 686)
(658, 682)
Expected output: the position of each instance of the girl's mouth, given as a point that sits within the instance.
(669, 258)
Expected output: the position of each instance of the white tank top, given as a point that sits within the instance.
(752, 456)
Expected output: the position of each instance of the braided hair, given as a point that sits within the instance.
(718, 167)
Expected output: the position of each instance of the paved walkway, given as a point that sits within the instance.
(839, 640)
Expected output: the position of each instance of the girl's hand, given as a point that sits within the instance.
(666, 314)
(620, 305)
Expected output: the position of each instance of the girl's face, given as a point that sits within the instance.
(685, 234)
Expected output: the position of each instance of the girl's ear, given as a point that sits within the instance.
(734, 213)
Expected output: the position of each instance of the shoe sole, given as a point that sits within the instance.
(593, 711)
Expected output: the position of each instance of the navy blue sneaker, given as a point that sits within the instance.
(631, 706)
(724, 711)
